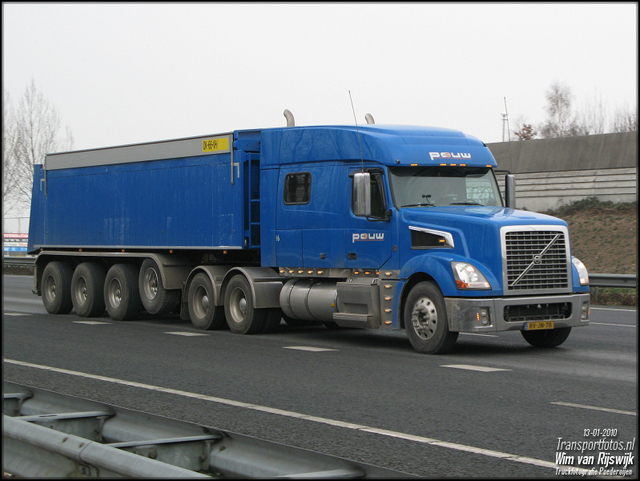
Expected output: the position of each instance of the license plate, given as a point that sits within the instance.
(534, 326)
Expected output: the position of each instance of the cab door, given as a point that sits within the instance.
(369, 238)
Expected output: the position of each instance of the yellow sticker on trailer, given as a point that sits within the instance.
(220, 144)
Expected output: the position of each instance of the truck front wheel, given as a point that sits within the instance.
(87, 289)
(547, 337)
(56, 288)
(425, 320)
(155, 298)
(204, 314)
(121, 295)
(242, 316)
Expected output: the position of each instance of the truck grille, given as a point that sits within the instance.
(536, 260)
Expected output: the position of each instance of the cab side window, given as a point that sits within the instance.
(297, 188)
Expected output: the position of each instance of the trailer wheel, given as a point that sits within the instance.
(547, 337)
(242, 316)
(87, 289)
(121, 295)
(155, 298)
(56, 288)
(204, 314)
(425, 320)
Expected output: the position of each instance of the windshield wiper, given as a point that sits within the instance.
(469, 202)
(428, 204)
(418, 205)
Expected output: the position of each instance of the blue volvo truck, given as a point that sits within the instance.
(390, 227)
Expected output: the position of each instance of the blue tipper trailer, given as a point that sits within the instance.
(397, 227)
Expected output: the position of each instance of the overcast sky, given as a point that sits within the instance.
(121, 73)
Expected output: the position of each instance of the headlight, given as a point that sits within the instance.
(582, 271)
(467, 276)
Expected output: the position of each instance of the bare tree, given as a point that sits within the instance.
(524, 132)
(561, 121)
(9, 168)
(29, 133)
(625, 120)
(592, 119)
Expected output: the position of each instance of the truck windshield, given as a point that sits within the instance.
(444, 186)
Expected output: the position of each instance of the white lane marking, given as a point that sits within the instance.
(609, 324)
(186, 334)
(92, 323)
(15, 314)
(332, 422)
(595, 408)
(474, 368)
(308, 348)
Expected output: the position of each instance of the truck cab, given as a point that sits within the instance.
(411, 231)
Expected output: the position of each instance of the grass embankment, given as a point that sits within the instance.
(604, 236)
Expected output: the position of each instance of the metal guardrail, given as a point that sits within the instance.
(613, 280)
(595, 280)
(47, 434)
(19, 261)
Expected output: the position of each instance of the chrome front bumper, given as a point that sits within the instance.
(488, 314)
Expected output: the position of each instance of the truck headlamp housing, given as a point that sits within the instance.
(582, 271)
(467, 276)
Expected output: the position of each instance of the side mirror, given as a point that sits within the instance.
(510, 190)
(362, 194)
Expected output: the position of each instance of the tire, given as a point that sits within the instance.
(272, 320)
(203, 312)
(56, 287)
(547, 337)
(155, 298)
(87, 289)
(425, 320)
(242, 316)
(121, 295)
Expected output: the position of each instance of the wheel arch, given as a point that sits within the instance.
(264, 282)
(216, 275)
(415, 278)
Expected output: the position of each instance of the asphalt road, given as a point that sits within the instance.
(493, 407)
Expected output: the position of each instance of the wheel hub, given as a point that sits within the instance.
(424, 318)
(238, 305)
(151, 284)
(201, 302)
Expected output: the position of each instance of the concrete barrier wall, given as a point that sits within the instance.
(555, 172)
(542, 191)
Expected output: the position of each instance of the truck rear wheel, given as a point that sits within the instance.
(203, 312)
(425, 320)
(56, 288)
(155, 298)
(272, 320)
(121, 295)
(547, 337)
(242, 316)
(87, 289)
